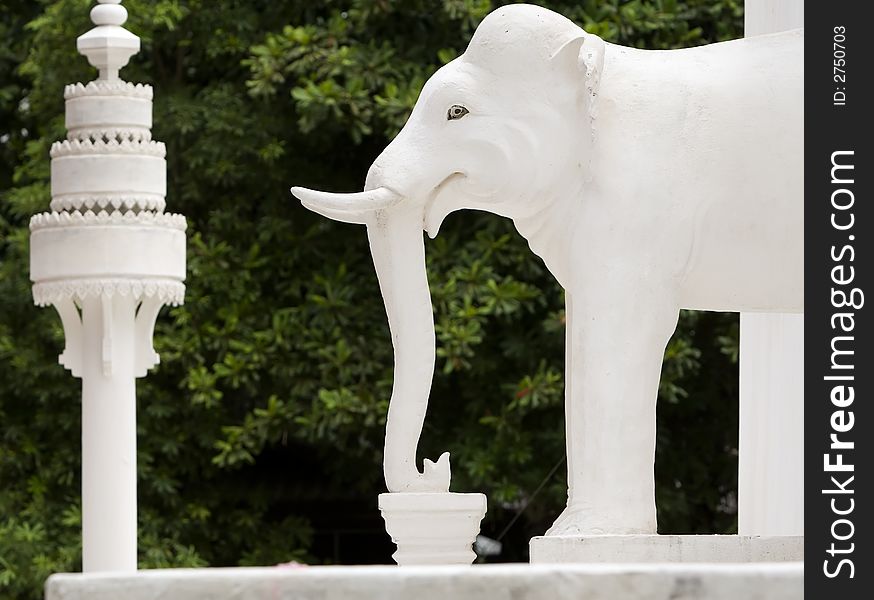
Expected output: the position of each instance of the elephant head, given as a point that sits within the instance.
(497, 129)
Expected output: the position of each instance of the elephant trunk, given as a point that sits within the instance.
(397, 244)
(394, 228)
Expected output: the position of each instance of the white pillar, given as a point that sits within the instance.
(771, 444)
(109, 437)
(770, 16)
(771, 463)
(107, 258)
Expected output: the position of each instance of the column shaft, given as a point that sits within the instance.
(109, 441)
(771, 444)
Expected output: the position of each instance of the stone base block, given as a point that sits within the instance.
(763, 581)
(433, 528)
(666, 549)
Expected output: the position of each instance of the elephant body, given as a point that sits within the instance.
(648, 181)
(697, 165)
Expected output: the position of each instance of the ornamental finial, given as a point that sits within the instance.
(108, 46)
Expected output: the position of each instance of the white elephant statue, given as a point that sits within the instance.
(647, 181)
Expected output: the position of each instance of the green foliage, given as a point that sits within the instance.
(270, 400)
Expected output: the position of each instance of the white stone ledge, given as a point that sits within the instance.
(783, 581)
(666, 548)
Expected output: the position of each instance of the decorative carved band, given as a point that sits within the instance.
(98, 202)
(103, 218)
(105, 134)
(88, 146)
(168, 291)
(108, 88)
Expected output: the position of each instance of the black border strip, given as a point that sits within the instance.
(838, 337)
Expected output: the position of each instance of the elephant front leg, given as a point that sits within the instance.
(615, 346)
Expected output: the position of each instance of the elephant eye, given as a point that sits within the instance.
(456, 111)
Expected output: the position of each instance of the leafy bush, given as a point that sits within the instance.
(260, 434)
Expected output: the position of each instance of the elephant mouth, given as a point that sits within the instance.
(434, 213)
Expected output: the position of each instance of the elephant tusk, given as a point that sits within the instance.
(348, 208)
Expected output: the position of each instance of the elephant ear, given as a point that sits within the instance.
(582, 57)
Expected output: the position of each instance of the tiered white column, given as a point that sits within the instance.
(107, 258)
(771, 444)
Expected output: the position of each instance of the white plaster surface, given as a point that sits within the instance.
(480, 582)
(666, 548)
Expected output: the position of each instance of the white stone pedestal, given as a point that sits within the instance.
(666, 548)
(436, 528)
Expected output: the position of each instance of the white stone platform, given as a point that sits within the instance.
(666, 548)
(779, 581)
